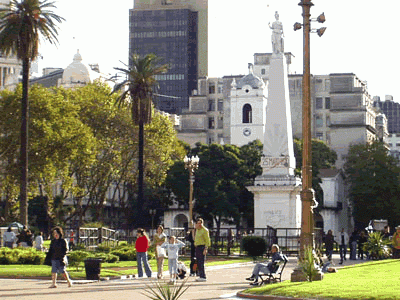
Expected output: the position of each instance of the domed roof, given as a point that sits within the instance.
(76, 72)
(251, 80)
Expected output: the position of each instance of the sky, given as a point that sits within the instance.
(360, 37)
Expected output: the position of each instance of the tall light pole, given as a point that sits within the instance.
(307, 193)
(192, 164)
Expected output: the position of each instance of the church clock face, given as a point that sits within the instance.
(246, 132)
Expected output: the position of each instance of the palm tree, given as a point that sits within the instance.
(140, 83)
(21, 24)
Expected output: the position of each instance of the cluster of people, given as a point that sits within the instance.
(24, 238)
(169, 248)
(355, 243)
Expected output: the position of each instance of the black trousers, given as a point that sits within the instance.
(200, 261)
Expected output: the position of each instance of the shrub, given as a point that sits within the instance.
(28, 256)
(376, 246)
(254, 246)
(80, 246)
(106, 257)
(309, 264)
(75, 258)
(8, 256)
(125, 253)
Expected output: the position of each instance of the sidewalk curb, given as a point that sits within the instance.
(264, 297)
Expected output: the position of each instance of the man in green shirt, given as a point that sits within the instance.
(201, 242)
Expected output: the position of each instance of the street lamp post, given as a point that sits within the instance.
(192, 164)
(307, 193)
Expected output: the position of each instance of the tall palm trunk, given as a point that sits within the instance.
(141, 172)
(24, 144)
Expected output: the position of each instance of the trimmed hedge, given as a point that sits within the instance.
(26, 256)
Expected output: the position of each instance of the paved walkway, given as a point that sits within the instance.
(223, 283)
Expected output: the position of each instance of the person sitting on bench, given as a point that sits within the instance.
(266, 267)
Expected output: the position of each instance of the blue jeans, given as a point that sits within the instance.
(141, 257)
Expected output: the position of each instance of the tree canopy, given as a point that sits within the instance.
(373, 176)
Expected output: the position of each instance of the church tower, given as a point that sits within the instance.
(249, 102)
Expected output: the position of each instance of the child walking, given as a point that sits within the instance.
(173, 247)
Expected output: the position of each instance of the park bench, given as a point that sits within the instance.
(276, 274)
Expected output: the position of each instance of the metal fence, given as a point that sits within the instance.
(225, 241)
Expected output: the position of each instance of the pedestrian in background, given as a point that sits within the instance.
(9, 238)
(39, 242)
(159, 239)
(142, 245)
(58, 255)
(202, 242)
(190, 239)
(361, 240)
(342, 240)
(22, 237)
(329, 241)
(353, 245)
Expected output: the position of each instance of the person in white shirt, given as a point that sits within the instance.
(9, 238)
(39, 242)
(342, 239)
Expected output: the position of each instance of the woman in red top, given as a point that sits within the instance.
(141, 245)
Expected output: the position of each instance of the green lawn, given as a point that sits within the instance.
(107, 269)
(371, 280)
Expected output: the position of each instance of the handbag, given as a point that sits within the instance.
(47, 260)
(160, 251)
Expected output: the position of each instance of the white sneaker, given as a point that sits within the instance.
(201, 279)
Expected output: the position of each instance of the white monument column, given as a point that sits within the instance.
(277, 191)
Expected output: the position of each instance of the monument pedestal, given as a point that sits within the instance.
(299, 276)
(278, 206)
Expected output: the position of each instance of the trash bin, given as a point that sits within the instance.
(92, 268)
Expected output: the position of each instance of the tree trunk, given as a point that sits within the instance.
(24, 144)
(141, 173)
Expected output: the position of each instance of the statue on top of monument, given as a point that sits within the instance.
(277, 35)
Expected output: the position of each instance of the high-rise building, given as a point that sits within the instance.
(177, 32)
(392, 111)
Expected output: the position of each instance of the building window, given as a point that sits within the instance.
(219, 89)
(319, 122)
(327, 103)
(320, 136)
(211, 88)
(328, 121)
(397, 144)
(220, 123)
(262, 71)
(247, 114)
(211, 123)
(211, 105)
(220, 105)
(318, 103)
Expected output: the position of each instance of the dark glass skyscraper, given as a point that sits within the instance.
(170, 30)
